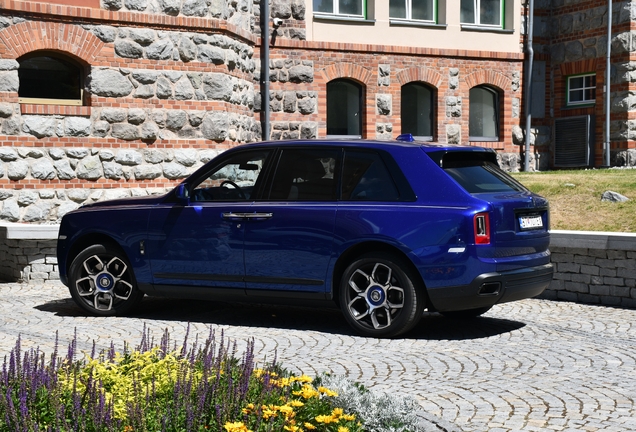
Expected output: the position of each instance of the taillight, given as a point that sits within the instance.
(482, 228)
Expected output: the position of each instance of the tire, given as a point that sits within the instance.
(102, 282)
(466, 314)
(380, 296)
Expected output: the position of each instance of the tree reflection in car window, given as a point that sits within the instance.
(235, 180)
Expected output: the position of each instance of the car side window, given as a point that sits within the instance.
(365, 177)
(234, 180)
(305, 175)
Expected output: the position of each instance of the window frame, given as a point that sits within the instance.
(409, 14)
(497, 109)
(477, 22)
(569, 89)
(51, 101)
(336, 11)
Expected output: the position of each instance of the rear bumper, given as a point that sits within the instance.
(491, 288)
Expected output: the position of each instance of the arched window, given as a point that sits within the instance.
(344, 108)
(50, 78)
(484, 114)
(417, 109)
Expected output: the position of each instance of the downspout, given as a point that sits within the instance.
(606, 146)
(528, 79)
(265, 69)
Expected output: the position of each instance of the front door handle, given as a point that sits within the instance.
(234, 216)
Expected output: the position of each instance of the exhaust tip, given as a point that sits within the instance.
(490, 289)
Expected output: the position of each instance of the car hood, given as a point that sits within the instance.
(127, 202)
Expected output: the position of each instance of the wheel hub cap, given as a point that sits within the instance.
(105, 282)
(375, 296)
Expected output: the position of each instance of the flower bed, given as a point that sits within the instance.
(170, 387)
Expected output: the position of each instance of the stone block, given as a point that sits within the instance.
(616, 254)
(611, 301)
(589, 299)
(600, 290)
(577, 287)
(568, 267)
(628, 303)
(557, 285)
(590, 270)
(548, 295)
(568, 296)
(620, 291)
(607, 272)
(583, 278)
(614, 281)
(584, 259)
(626, 273)
(605, 263)
(563, 276)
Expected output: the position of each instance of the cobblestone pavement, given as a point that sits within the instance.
(529, 366)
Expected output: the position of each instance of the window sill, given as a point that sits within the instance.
(68, 110)
(487, 29)
(575, 106)
(346, 18)
(483, 139)
(412, 23)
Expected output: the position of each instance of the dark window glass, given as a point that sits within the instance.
(481, 12)
(350, 7)
(234, 180)
(397, 8)
(582, 89)
(478, 173)
(344, 102)
(467, 12)
(422, 10)
(325, 6)
(49, 77)
(366, 178)
(417, 110)
(484, 114)
(305, 175)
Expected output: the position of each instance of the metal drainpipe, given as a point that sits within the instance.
(608, 84)
(265, 68)
(528, 79)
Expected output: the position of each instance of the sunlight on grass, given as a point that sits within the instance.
(575, 198)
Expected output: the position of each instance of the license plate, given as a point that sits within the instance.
(530, 222)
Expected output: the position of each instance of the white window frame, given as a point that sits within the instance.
(409, 13)
(584, 88)
(336, 10)
(477, 6)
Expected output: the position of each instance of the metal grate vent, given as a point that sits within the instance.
(573, 141)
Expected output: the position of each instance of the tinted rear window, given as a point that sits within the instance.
(478, 172)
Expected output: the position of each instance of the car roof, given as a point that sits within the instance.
(427, 146)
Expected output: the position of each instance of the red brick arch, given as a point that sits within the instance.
(347, 70)
(420, 74)
(32, 36)
(490, 77)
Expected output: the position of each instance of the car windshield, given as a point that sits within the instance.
(478, 173)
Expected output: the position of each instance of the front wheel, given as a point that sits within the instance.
(102, 282)
(380, 296)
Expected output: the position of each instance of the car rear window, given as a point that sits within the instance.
(478, 172)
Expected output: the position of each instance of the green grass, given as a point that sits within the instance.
(575, 198)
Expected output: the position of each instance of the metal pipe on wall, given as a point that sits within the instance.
(528, 80)
(608, 66)
(265, 124)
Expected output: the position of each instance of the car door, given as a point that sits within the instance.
(199, 242)
(290, 246)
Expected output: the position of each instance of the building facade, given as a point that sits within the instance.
(109, 98)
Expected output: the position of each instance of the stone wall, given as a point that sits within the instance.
(28, 252)
(593, 267)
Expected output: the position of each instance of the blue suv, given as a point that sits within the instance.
(383, 229)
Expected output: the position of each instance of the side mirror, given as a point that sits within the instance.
(182, 193)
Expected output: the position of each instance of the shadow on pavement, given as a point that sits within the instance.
(432, 326)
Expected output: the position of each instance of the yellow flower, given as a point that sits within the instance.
(348, 417)
(337, 412)
(307, 392)
(303, 379)
(309, 426)
(343, 429)
(327, 392)
(292, 428)
(296, 403)
(236, 427)
(326, 419)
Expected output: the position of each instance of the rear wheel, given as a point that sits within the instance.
(102, 282)
(467, 314)
(380, 296)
